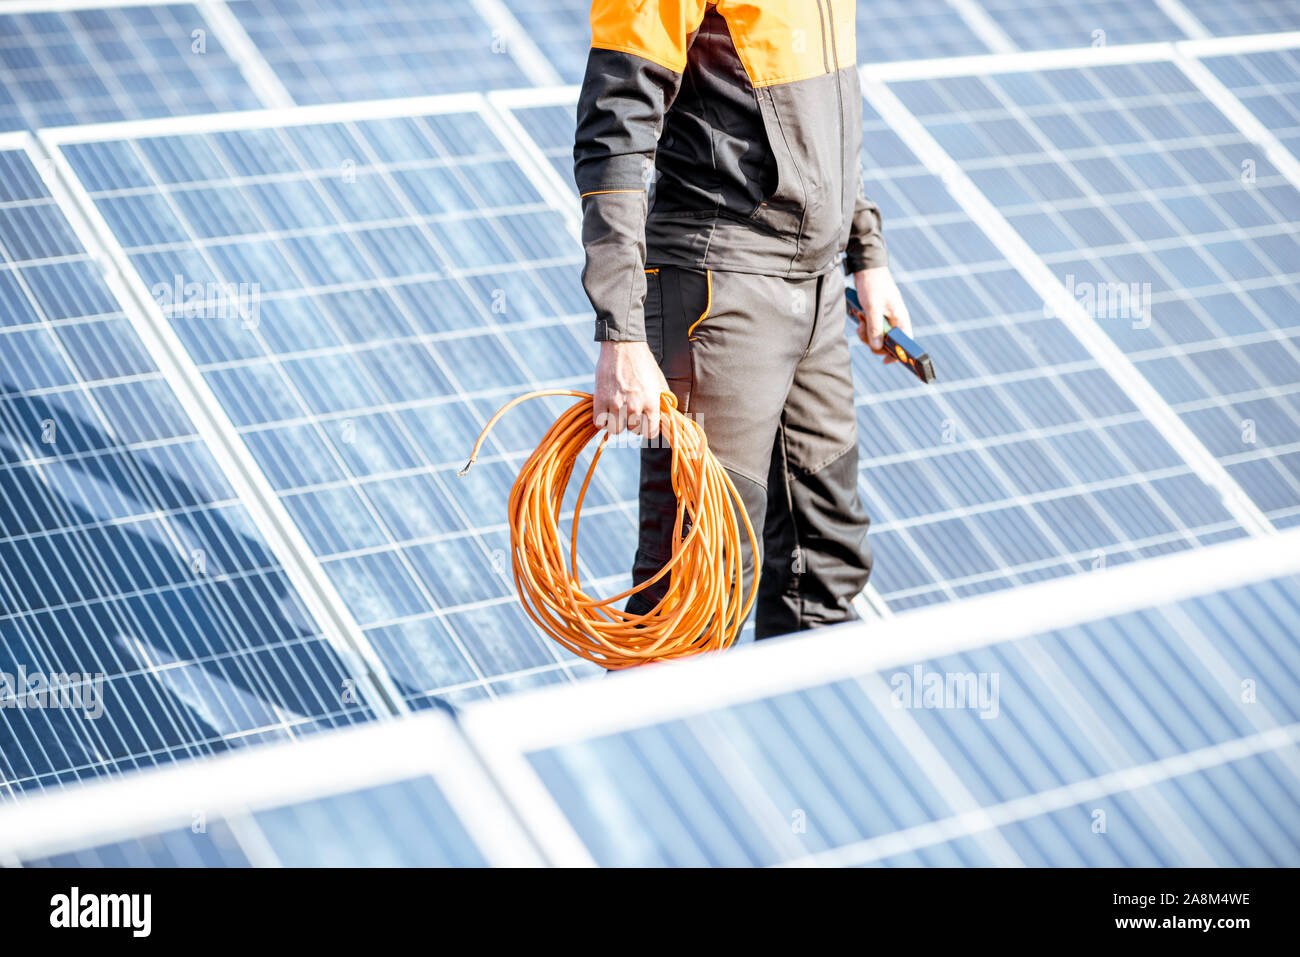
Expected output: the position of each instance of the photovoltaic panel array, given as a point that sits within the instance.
(1161, 217)
(124, 551)
(410, 279)
(109, 63)
(1039, 25)
(326, 51)
(1125, 741)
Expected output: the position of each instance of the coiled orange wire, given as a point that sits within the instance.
(703, 609)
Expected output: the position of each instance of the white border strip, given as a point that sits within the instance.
(1245, 43)
(272, 118)
(1075, 57)
(983, 63)
(530, 720)
(219, 434)
(1111, 358)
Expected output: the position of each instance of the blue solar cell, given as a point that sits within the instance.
(124, 552)
(114, 63)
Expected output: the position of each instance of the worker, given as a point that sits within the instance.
(718, 276)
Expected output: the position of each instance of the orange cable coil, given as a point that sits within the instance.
(703, 609)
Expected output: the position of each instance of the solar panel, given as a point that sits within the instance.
(127, 560)
(325, 51)
(1039, 730)
(1166, 224)
(1050, 25)
(396, 795)
(60, 67)
(411, 278)
(1268, 84)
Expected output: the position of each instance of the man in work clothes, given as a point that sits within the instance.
(724, 285)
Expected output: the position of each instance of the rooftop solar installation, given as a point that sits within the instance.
(1019, 729)
(124, 550)
(1166, 223)
(113, 62)
(323, 51)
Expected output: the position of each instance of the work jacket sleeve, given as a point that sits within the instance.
(634, 70)
(866, 246)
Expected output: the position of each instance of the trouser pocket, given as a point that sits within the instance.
(677, 300)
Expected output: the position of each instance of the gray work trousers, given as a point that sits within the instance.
(763, 365)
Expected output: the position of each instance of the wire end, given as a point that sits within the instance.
(461, 473)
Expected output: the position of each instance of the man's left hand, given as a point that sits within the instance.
(883, 303)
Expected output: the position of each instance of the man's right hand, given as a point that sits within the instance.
(628, 385)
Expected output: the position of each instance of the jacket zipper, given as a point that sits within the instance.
(839, 94)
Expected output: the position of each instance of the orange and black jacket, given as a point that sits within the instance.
(750, 115)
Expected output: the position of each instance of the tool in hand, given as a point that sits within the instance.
(896, 343)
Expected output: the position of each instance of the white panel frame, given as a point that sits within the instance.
(547, 717)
